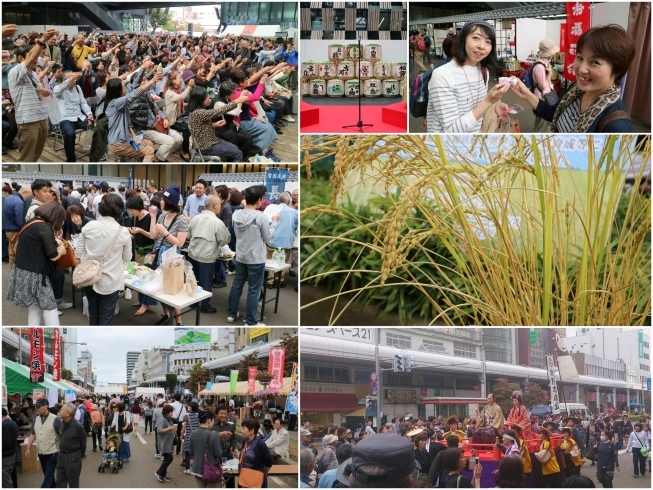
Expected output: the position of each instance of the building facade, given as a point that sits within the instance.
(130, 361)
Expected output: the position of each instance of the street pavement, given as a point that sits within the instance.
(138, 472)
(287, 314)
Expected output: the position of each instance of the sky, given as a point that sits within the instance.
(110, 346)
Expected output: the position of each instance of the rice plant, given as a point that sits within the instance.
(524, 238)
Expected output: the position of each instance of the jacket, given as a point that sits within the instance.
(81, 83)
(206, 234)
(78, 55)
(139, 111)
(197, 446)
(546, 111)
(291, 57)
(252, 233)
(55, 55)
(172, 104)
(12, 213)
(100, 138)
(279, 441)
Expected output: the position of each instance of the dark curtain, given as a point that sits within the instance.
(637, 91)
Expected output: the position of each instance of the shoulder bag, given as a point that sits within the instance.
(152, 258)
(130, 427)
(90, 271)
(211, 473)
(543, 456)
(248, 477)
(65, 261)
(644, 449)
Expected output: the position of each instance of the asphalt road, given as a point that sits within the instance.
(287, 314)
(138, 472)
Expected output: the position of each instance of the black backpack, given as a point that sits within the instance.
(319, 467)
(87, 418)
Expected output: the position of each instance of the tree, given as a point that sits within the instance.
(250, 360)
(170, 26)
(502, 391)
(533, 394)
(292, 355)
(143, 385)
(198, 374)
(159, 18)
(66, 374)
(171, 381)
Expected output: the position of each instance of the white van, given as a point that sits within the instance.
(584, 412)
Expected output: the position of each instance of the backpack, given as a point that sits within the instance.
(87, 418)
(148, 412)
(527, 76)
(420, 44)
(427, 41)
(419, 96)
(319, 467)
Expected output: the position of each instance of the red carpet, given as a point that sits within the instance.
(332, 118)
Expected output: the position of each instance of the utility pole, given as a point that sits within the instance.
(483, 369)
(377, 368)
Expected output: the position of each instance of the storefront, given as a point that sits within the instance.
(326, 403)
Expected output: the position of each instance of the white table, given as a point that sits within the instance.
(276, 270)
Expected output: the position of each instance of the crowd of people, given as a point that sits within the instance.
(430, 452)
(461, 99)
(40, 222)
(194, 428)
(145, 95)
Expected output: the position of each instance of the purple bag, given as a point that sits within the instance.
(211, 473)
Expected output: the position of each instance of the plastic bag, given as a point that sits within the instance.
(152, 282)
(88, 140)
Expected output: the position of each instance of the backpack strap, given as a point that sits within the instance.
(610, 118)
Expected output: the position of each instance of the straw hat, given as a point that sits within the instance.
(547, 48)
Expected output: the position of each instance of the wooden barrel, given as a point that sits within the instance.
(318, 87)
(306, 87)
(335, 88)
(390, 87)
(382, 69)
(372, 88)
(326, 70)
(336, 52)
(353, 52)
(364, 69)
(352, 88)
(372, 52)
(346, 70)
(399, 69)
(309, 69)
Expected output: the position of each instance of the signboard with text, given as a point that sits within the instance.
(365, 335)
(56, 371)
(578, 21)
(275, 367)
(36, 356)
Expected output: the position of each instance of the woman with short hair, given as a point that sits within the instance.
(121, 419)
(255, 454)
(204, 445)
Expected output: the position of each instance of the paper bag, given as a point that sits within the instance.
(173, 279)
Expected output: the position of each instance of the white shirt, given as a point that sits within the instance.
(94, 240)
(96, 202)
(232, 403)
(72, 102)
(179, 410)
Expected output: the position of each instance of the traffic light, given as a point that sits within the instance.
(409, 364)
(398, 365)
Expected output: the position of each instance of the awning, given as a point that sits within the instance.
(18, 381)
(357, 413)
(241, 388)
(328, 402)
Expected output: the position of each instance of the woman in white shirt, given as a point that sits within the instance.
(458, 90)
(636, 441)
(94, 240)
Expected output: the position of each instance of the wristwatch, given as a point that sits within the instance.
(40, 43)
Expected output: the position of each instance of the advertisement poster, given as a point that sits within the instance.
(275, 367)
(292, 403)
(251, 379)
(293, 378)
(187, 335)
(70, 396)
(38, 393)
(36, 356)
(52, 397)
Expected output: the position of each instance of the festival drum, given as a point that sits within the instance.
(382, 69)
(327, 70)
(336, 52)
(390, 87)
(352, 88)
(309, 69)
(372, 88)
(353, 53)
(318, 87)
(335, 88)
(306, 88)
(372, 52)
(366, 70)
(346, 70)
(399, 69)
(485, 435)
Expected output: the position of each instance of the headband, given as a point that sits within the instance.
(506, 436)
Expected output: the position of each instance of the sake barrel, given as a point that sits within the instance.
(318, 87)
(309, 69)
(402, 86)
(399, 69)
(382, 69)
(372, 52)
(337, 52)
(353, 52)
(346, 70)
(390, 87)
(335, 88)
(351, 88)
(326, 70)
(366, 70)
(372, 87)
(306, 88)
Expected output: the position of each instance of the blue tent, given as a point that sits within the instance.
(541, 410)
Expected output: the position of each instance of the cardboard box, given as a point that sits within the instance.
(173, 280)
(31, 464)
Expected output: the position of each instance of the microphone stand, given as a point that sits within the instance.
(359, 124)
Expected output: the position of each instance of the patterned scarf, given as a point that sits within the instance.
(587, 117)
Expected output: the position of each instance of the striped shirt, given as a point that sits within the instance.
(22, 87)
(567, 120)
(454, 91)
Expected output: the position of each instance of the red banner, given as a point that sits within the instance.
(36, 356)
(563, 37)
(578, 21)
(592, 396)
(275, 367)
(424, 392)
(56, 372)
(251, 379)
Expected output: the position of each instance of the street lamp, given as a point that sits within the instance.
(70, 343)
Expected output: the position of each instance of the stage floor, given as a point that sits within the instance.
(333, 117)
(349, 101)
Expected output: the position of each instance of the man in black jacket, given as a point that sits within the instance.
(437, 472)
(88, 82)
(72, 448)
(9, 448)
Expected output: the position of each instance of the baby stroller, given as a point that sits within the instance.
(116, 465)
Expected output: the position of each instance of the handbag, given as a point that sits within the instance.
(159, 126)
(68, 259)
(151, 260)
(248, 477)
(90, 271)
(211, 473)
(644, 449)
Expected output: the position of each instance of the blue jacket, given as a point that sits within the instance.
(13, 218)
(286, 227)
(280, 55)
(291, 57)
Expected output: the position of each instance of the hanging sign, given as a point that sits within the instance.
(251, 379)
(56, 372)
(36, 356)
(275, 367)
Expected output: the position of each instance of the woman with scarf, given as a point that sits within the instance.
(593, 104)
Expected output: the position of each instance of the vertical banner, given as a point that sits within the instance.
(640, 342)
(275, 367)
(553, 387)
(233, 380)
(292, 403)
(563, 37)
(251, 379)
(36, 356)
(209, 385)
(56, 372)
(293, 378)
(566, 365)
(130, 180)
(275, 183)
(578, 21)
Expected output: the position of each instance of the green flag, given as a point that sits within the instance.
(233, 379)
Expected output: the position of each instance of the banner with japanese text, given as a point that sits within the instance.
(56, 372)
(563, 37)
(275, 183)
(36, 356)
(251, 379)
(275, 367)
(578, 21)
(293, 378)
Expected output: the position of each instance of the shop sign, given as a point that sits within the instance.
(401, 397)
(328, 388)
(365, 335)
(258, 332)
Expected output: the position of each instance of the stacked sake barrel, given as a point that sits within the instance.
(347, 68)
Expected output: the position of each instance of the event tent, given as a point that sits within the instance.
(241, 388)
(18, 381)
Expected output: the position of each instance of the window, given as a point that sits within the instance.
(398, 379)
(433, 346)
(464, 350)
(646, 344)
(397, 340)
(645, 356)
(310, 373)
(326, 373)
